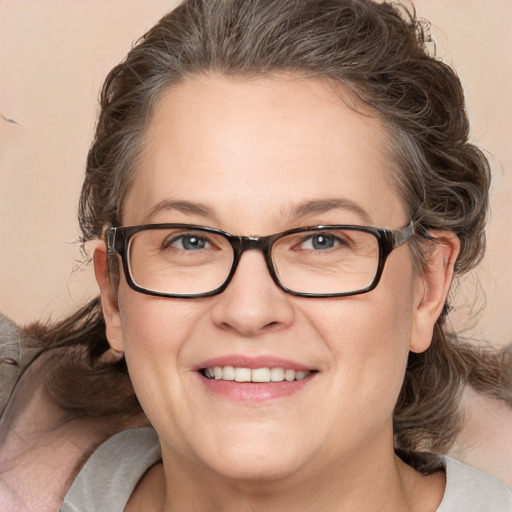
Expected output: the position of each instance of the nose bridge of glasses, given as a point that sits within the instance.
(251, 242)
(255, 243)
(261, 244)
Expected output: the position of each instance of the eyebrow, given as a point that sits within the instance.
(324, 205)
(303, 209)
(186, 207)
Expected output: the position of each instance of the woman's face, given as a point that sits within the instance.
(257, 157)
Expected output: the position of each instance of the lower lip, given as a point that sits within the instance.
(254, 391)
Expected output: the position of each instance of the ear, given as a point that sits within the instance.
(108, 298)
(432, 288)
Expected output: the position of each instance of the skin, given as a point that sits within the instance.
(252, 152)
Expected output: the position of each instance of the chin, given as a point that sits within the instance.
(260, 468)
(255, 456)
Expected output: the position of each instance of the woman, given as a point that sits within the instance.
(283, 192)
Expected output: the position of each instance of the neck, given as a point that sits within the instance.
(372, 481)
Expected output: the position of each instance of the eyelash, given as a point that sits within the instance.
(337, 241)
(183, 236)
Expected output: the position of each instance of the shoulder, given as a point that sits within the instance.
(470, 490)
(16, 351)
(111, 474)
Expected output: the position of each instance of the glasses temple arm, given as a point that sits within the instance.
(110, 239)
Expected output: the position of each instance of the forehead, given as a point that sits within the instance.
(249, 147)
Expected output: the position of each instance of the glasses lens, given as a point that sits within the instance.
(326, 261)
(179, 261)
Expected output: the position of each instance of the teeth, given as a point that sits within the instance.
(254, 375)
(261, 375)
(241, 374)
(289, 375)
(228, 373)
(276, 374)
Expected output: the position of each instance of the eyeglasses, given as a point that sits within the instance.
(186, 261)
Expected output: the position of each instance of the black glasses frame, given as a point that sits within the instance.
(118, 239)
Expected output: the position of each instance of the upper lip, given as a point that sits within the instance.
(252, 362)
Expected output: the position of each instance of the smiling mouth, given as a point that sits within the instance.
(240, 374)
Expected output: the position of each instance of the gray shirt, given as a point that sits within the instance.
(109, 477)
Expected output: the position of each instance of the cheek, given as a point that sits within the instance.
(150, 324)
(368, 337)
(155, 333)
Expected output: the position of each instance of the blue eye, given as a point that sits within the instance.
(189, 242)
(320, 241)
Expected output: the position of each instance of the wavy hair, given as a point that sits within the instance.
(380, 53)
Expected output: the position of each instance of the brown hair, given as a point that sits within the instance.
(379, 52)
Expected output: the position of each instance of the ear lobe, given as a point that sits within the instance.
(433, 287)
(108, 298)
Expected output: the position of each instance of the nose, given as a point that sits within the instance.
(253, 304)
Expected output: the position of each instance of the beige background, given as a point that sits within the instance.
(53, 58)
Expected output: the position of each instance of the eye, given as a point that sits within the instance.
(320, 241)
(187, 242)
